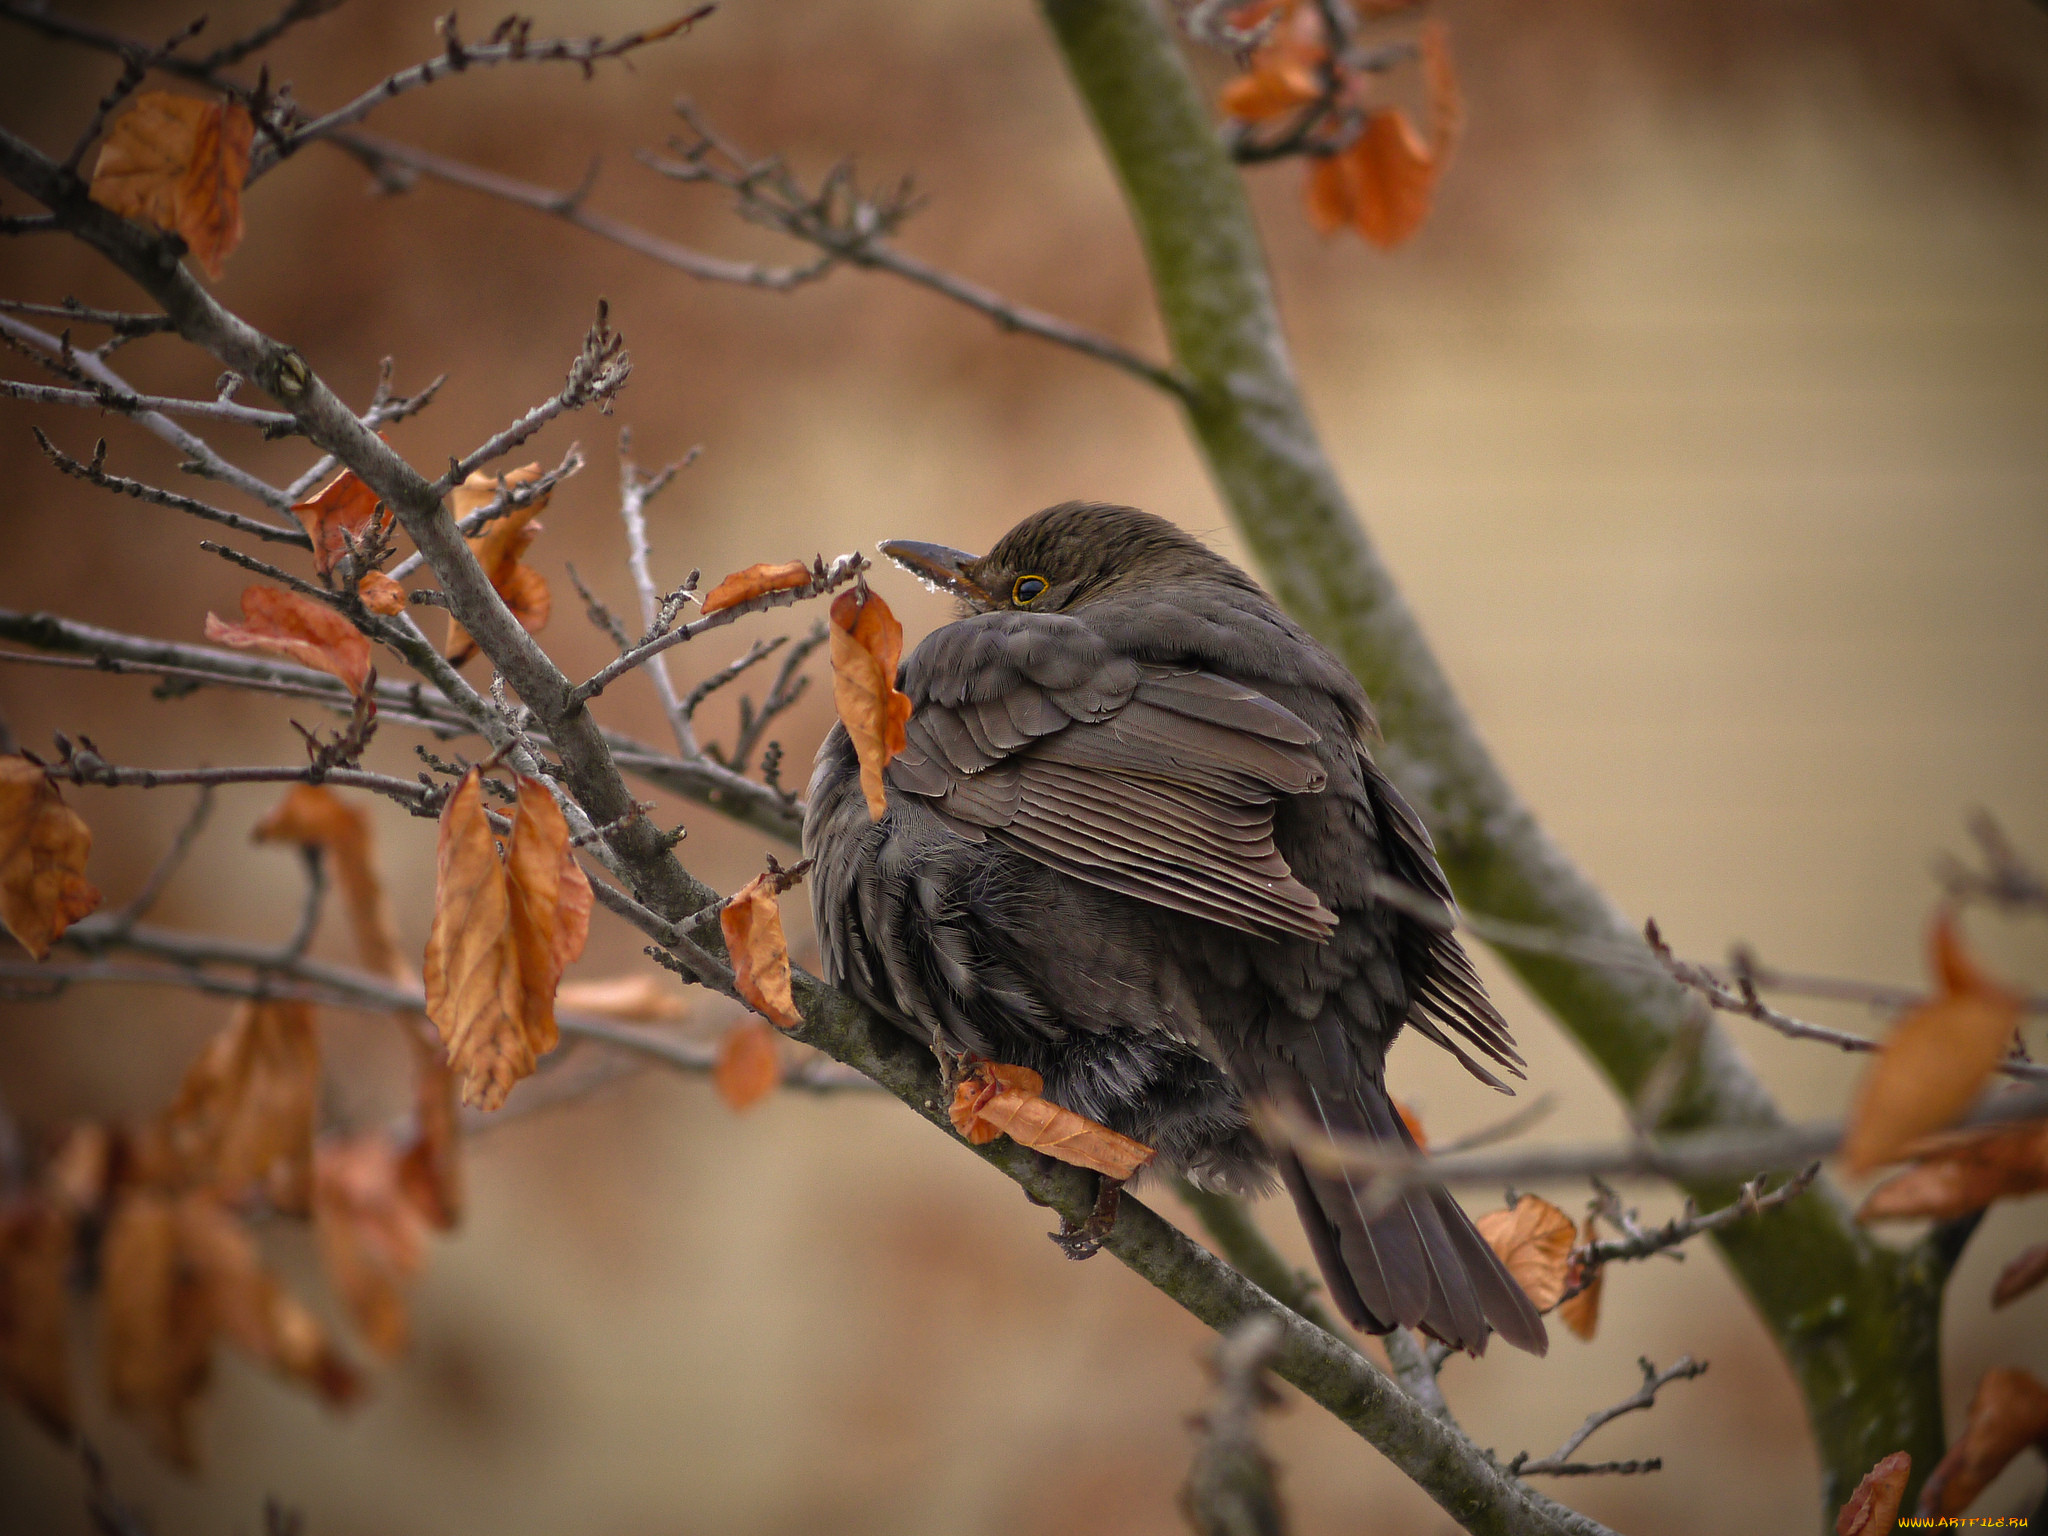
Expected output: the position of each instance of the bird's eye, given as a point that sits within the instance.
(1027, 589)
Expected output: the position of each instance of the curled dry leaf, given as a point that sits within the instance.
(749, 1064)
(43, 848)
(551, 902)
(1581, 1312)
(642, 998)
(1286, 71)
(756, 581)
(2008, 1413)
(244, 1117)
(1534, 1240)
(867, 645)
(380, 594)
(293, 626)
(156, 1339)
(752, 924)
(179, 163)
(996, 1099)
(35, 1356)
(1963, 1172)
(372, 1237)
(1873, 1508)
(342, 510)
(1381, 186)
(1935, 1059)
(313, 816)
(2021, 1275)
(498, 549)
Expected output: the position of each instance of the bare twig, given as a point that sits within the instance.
(2007, 880)
(153, 887)
(1559, 1463)
(93, 473)
(783, 693)
(110, 399)
(119, 322)
(599, 371)
(510, 498)
(1232, 1489)
(635, 491)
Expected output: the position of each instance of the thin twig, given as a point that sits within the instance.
(93, 474)
(1559, 1463)
(127, 404)
(1232, 1489)
(188, 832)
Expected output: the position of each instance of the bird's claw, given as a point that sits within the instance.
(1085, 1239)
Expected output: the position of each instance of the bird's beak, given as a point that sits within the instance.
(938, 566)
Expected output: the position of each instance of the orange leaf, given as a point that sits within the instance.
(472, 969)
(551, 904)
(1413, 1121)
(1936, 1058)
(1961, 1173)
(2008, 1413)
(867, 644)
(372, 1238)
(749, 1065)
(248, 1306)
(1440, 90)
(1534, 1240)
(79, 1174)
(498, 548)
(157, 1325)
(35, 1355)
(1274, 88)
(179, 163)
(314, 816)
(380, 594)
(342, 509)
(1873, 1508)
(2021, 1275)
(43, 849)
(1581, 1312)
(756, 581)
(1393, 174)
(997, 1099)
(295, 627)
(1331, 193)
(430, 1169)
(641, 998)
(752, 924)
(244, 1117)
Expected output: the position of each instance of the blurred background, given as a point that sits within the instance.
(1703, 424)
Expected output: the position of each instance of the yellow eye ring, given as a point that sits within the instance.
(1028, 589)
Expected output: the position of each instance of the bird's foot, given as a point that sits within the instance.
(1085, 1239)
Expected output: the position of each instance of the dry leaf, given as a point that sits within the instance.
(867, 644)
(251, 1309)
(179, 163)
(2021, 1275)
(430, 1169)
(2008, 1413)
(1961, 1173)
(314, 816)
(342, 509)
(295, 627)
(1412, 1119)
(380, 594)
(80, 1173)
(749, 1064)
(1446, 101)
(1935, 1059)
(372, 1238)
(756, 581)
(1286, 71)
(157, 1324)
(1581, 1312)
(752, 923)
(1873, 1508)
(551, 903)
(1534, 1240)
(43, 849)
(641, 998)
(1394, 176)
(997, 1099)
(244, 1117)
(35, 1354)
(498, 548)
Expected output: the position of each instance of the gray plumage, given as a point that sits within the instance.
(1131, 844)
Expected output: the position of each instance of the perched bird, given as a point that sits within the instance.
(1133, 844)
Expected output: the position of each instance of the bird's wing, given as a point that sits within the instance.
(1156, 782)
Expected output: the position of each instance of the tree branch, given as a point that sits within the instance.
(1559, 1463)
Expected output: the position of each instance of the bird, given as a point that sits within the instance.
(1137, 842)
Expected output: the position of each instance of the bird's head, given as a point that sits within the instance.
(1066, 557)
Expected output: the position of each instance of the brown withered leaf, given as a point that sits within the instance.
(372, 1238)
(156, 1338)
(1534, 1240)
(380, 594)
(295, 627)
(996, 1098)
(643, 998)
(498, 549)
(867, 644)
(43, 848)
(1286, 69)
(2008, 1413)
(179, 163)
(1581, 1312)
(749, 1064)
(752, 923)
(35, 1355)
(551, 903)
(1445, 99)
(79, 1176)
(1963, 1172)
(1936, 1058)
(1394, 178)
(756, 581)
(430, 1168)
(2021, 1276)
(472, 969)
(244, 1116)
(314, 816)
(1873, 1509)
(1412, 1119)
(342, 509)
(251, 1309)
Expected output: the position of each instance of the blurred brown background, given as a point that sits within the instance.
(1704, 426)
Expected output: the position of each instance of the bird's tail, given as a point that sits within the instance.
(1419, 1263)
